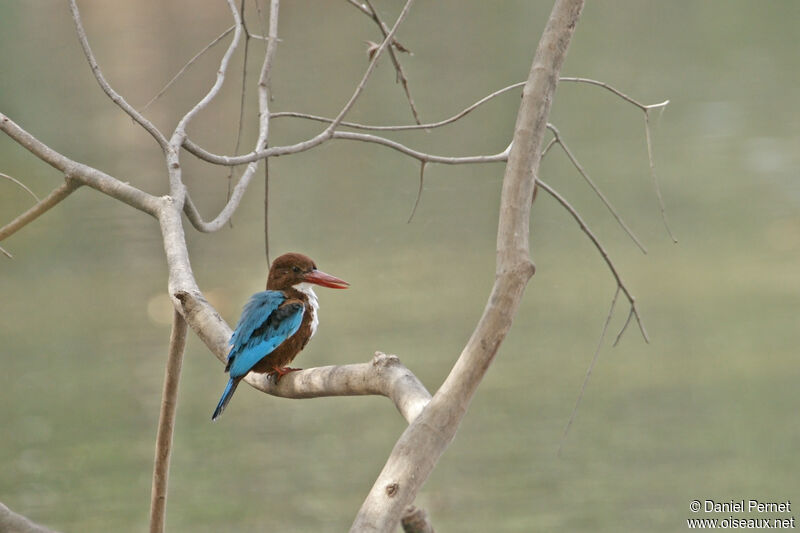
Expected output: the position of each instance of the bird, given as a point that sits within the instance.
(276, 324)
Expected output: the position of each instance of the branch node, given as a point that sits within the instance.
(385, 360)
(416, 520)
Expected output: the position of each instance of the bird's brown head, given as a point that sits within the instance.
(291, 269)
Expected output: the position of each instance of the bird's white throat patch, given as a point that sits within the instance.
(308, 290)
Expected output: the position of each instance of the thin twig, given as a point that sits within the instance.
(166, 423)
(266, 210)
(619, 93)
(261, 153)
(646, 108)
(186, 67)
(264, 98)
(422, 444)
(276, 151)
(240, 129)
(177, 189)
(6, 253)
(422, 156)
(360, 87)
(180, 131)
(395, 43)
(21, 185)
(419, 192)
(115, 97)
(653, 174)
(401, 75)
(40, 208)
(589, 371)
(552, 142)
(624, 327)
(404, 127)
(585, 228)
(260, 21)
(595, 188)
(85, 174)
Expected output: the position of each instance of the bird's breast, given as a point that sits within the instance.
(312, 304)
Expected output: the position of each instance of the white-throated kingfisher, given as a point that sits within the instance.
(277, 323)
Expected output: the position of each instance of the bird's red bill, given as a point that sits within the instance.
(326, 280)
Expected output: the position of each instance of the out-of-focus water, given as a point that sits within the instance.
(707, 410)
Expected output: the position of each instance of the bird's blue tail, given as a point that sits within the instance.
(226, 397)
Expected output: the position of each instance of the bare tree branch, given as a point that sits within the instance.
(585, 228)
(589, 371)
(646, 109)
(242, 100)
(416, 520)
(114, 95)
(619, 93)
(186, 66)
(419, 191)
(385, 375)
(179, 134)
(421, 156)
(419, 448)
(11, 522)
(85, 174)
(366, 10)
(401, 75)
(317, 139)
(405, 127)
(166, 424)
(595, 188)
(40, 208)
(20, 185)
(653, 172)
(264, 97)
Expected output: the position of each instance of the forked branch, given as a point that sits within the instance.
(417, 451)
(112, 94)
(40, 208)
(634, 312)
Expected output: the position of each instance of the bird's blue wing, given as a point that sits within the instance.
(254, 314)
(267, 321)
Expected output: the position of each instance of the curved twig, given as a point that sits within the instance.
(616, 91)
(595, 188)
(421, 445)
(589, 370)
(85, 174)
(585, 228)
(656, 185)
(419, 191)
(261, 153)
(186, 66)
(421, 156)
(114, 95)
(405, 127)
(20, 185)
(401, 75)
(40, 208)
(646, 108)
(180, 130)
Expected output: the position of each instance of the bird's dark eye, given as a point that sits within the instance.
(296, 269)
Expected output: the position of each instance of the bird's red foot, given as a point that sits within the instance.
(280, 371)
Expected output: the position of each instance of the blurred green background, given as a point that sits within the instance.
(707, 410)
